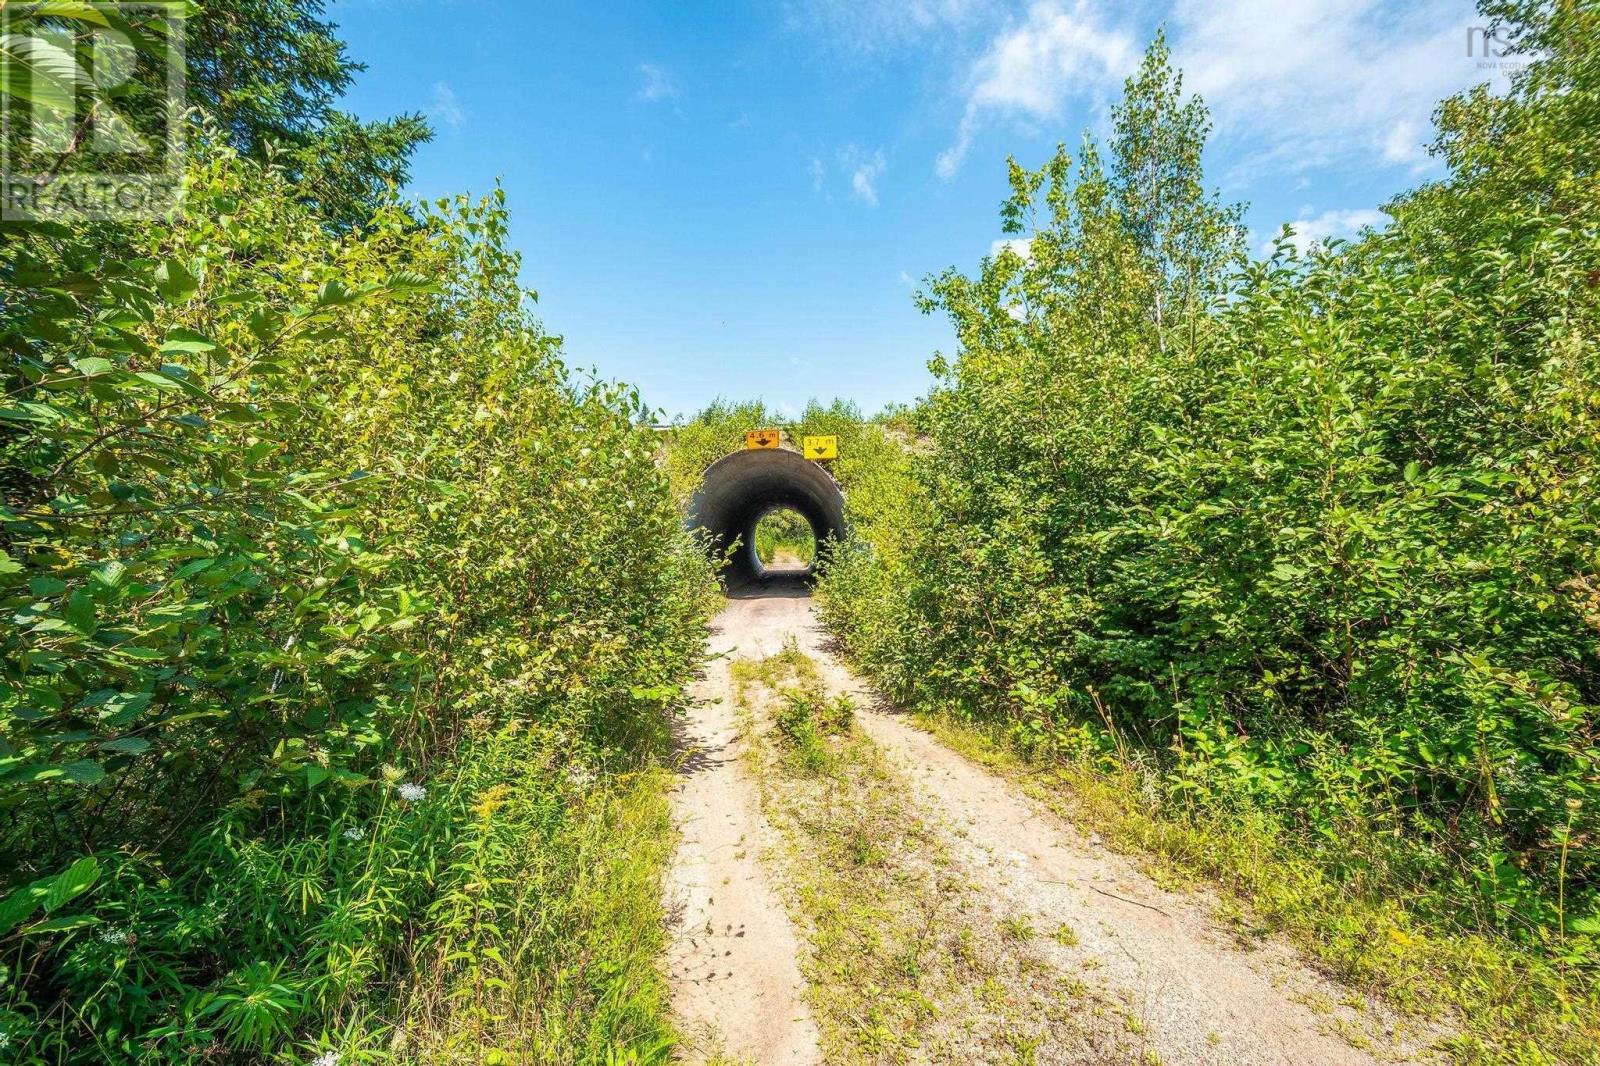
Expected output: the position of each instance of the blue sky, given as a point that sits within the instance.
(738, 199)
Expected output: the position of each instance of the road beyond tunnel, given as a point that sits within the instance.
(738, 489)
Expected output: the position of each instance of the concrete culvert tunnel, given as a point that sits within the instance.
(739, 489)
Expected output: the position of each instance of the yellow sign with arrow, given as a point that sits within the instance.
(821, 447)
(762, 438)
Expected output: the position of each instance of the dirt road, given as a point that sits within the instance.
(734, 957)
(1187, 989)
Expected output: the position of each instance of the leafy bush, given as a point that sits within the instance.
(293, 523)
(808, 714)
(1312, 537)
(806, 718)
(693, 444)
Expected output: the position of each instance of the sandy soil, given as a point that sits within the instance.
(1196, 994)
(733, 964)
(783, 559)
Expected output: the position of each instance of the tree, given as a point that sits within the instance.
(346, 169)
(1188, 237)
(268, 72)
(271, 71)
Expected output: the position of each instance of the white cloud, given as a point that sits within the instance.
(1022, 246)
(1300, 85)
(867, 26)
(819, 173)
(1032, 70)
(1403, 144)
(864, 179)
(864, 172)
(656, 85)
(444, 107)
(1292, 86)
(1329, 224)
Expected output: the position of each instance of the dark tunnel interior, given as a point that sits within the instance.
(738, 489)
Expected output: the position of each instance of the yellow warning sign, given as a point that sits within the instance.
(821, 447)
(762, 438)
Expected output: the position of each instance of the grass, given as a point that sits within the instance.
(1505, 1004)
(543, 940)
(905, 959)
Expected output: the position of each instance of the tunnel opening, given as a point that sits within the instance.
(740, 490)
(784, 542)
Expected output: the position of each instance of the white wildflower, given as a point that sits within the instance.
(412, 792)
(580, 777)
(355, 832)
(327, 1058)
(1150, 792)
(113, 935)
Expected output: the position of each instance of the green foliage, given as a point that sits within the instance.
(1187, 241)
(806, 718)
(543, 938)
(349, 167)
(694, 444)
(787, 533)
(267, 73)
(271, 73)
(291, 522)
(1317, 542)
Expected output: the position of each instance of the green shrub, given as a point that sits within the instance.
(290, 520)
(1312, 540)
(693, 444)
(806, 718)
